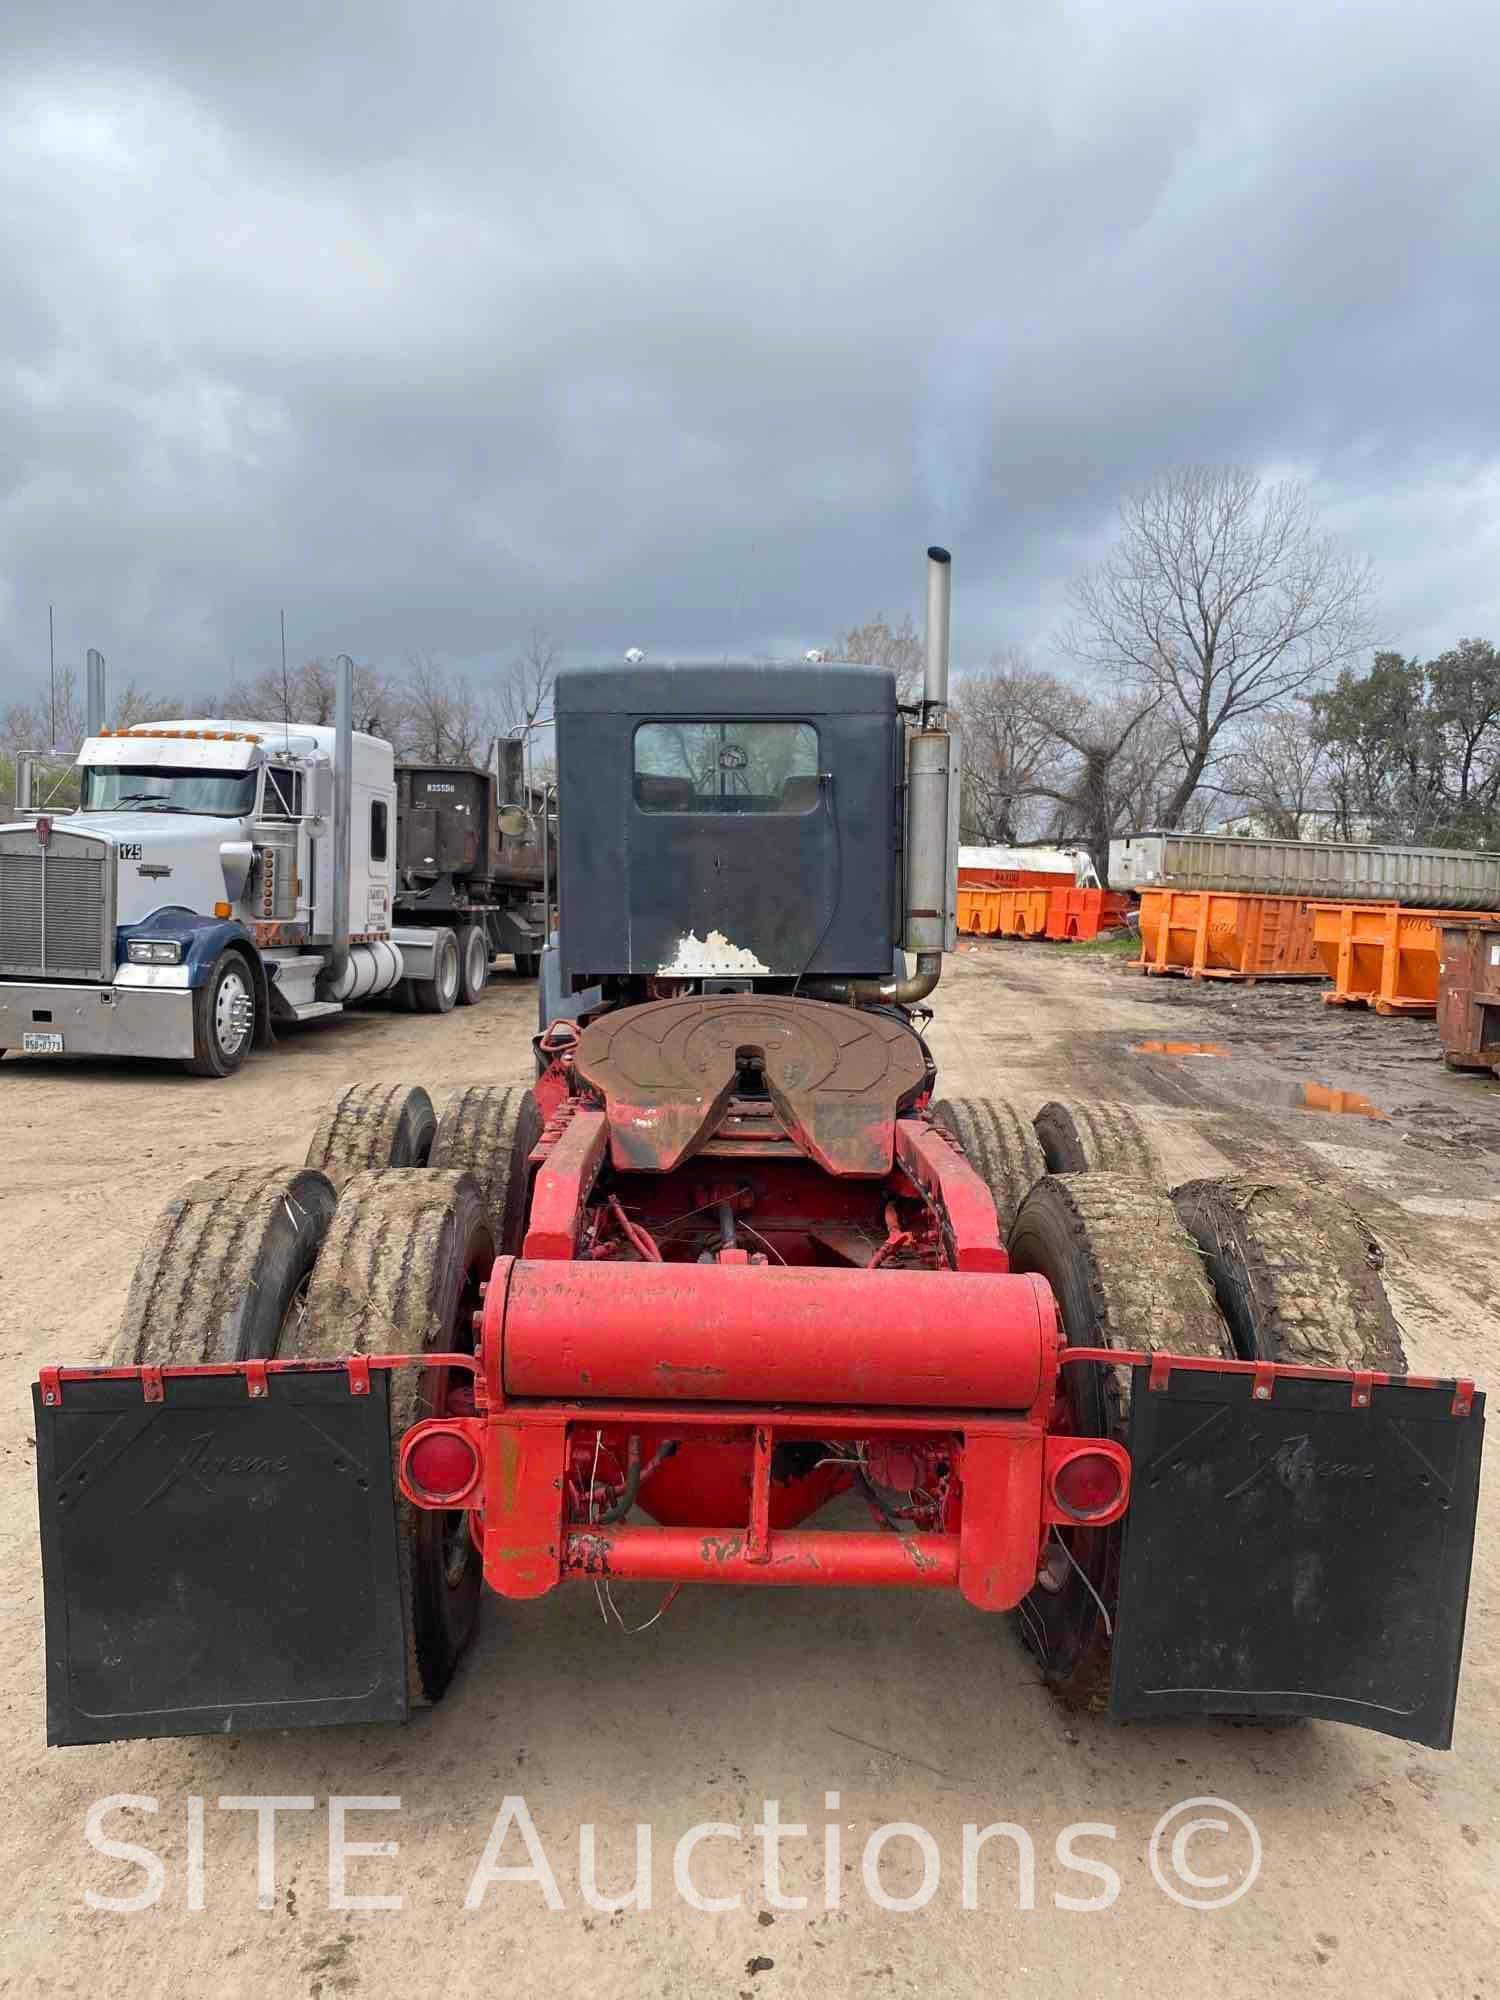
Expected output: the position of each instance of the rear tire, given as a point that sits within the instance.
(439, 995)
(405, 1257)
(473, 963)
(373, 1125)
(1095, 1139)
(1296, 1273)
(223, 1017)
(1124, 1274)
(224, 1269)
(999, 1144)
(528, 963)
(477, 1134)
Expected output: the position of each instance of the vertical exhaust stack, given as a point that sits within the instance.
(939, 612)
(343, 816)
(931, 791)
(929, 758)
(96, 695)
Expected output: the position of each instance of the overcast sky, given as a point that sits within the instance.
(688, 325)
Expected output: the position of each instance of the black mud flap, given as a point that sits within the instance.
(1297, 1556)
(215, 1562)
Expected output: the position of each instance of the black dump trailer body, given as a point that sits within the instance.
(733, 822)
(454, 865)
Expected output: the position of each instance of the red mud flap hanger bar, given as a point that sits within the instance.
(1312, 1527)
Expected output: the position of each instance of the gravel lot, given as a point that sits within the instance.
(1379, 1862)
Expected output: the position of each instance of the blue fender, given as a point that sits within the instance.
(202, 940)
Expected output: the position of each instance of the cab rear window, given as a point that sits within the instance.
(726, 767)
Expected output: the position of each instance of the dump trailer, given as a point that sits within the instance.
(726, 1291)
(477, 854)
(219, 877)
(1330, 871)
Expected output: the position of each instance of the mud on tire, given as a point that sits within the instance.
(373, 1125)
(1296, 1273)
(224, 1267)
(1095, 1138)
(1124, 1274)
(401, 1270)
(999, 1144)
(477, 1134)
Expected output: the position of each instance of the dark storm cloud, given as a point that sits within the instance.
(687, 325)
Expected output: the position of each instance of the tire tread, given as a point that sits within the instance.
(999, 1144)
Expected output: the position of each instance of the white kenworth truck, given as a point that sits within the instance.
(217, 877)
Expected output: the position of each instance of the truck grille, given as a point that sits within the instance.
(52, 911)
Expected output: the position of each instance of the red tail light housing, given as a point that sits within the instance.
(440, 1465)
(1087, 1482)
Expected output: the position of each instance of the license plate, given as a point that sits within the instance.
(41, 1045)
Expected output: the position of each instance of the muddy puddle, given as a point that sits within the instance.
(1300, 1096)
(1346, 1103)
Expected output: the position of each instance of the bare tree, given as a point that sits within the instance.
(55, 725)
(442, 719)
(878, 643)
(1280, 773)
(524, 691)
(1010, 752)
(1116, 764)
(310, 694)
(135, 704)
(1221, 599)
(56, 720)
(29, 725)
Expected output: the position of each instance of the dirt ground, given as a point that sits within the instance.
(1379, 1863)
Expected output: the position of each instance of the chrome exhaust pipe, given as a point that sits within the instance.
(96, 695)
(939, 612)
(343, 817)
(930, 777)
(929, 759)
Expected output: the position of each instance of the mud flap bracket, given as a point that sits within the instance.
(1305, 1553)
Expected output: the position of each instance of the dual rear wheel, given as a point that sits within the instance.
(381, 1241)
(1259, 1271)
(379, 1244)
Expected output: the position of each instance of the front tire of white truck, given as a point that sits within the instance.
(223, 1017)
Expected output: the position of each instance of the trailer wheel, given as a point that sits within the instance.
(223, 1017)
(999, 1144)
(1124, 1274)
(1095, 1138)
(225, 1268)
(373, 1125)
(528, 963)
(439, 995)
(1296, 1273)
(403, 1264)
(473, 962)
(477, 1134)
